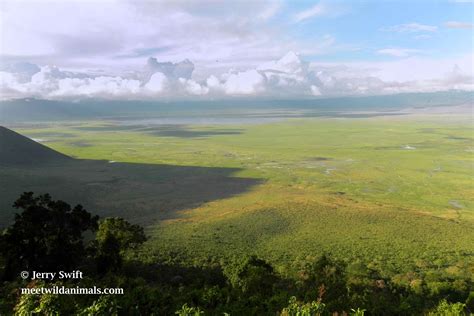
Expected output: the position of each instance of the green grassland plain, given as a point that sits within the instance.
(392, 194)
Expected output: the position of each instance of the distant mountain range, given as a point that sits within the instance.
(36, 110)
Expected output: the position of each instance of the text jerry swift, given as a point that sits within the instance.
(76, 274)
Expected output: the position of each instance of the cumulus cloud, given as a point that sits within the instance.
(389, 77)
(24, 71)
(156, 83)
(290, 63)
(315, 90)
(288, 76)
(99, 86)
(245, 82)
(193, 88)
(183, 69)
(77, 36)
(51, 82)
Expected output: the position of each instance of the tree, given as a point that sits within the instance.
(295, 308)
(326, 279)
(253, 287)
(46, 236)
(189, 311)
(448, 309)
(105, 305)
(114, 237)
(252, 276)
(470, 302)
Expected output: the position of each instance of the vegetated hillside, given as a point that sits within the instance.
(16, 149)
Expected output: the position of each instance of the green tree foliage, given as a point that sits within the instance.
(189, 311)
(114, 237)
(46, 304)
(357, 312)
(26, 305)
(252, 276)
(254, 284)
(470, 302)
(295, 308)
(445, 308)
(46, 236)
(153, 286)
(326, 279)
(104, 306)
(126, 234)
(108, 257)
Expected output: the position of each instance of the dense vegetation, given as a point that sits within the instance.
(51, 235)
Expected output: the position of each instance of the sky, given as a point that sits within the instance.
(224, 49)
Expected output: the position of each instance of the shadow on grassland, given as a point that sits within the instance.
(141, 193)
(163, 130)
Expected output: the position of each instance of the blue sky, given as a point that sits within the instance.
(235, 47)
(369, 26)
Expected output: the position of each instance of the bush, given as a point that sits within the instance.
(295, 308)
(189, 311)
(448, 309)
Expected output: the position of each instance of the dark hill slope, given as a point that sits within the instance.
(16, 149)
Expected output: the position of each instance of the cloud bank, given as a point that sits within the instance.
(289, 76)
(208, 49)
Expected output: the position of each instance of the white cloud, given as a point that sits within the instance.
(78, 35)
(316, 10)
(156, 83)
(182, 69)
(401, 69)
(422, 36)
(24, 71)
(290, 63)
(411, 28)
(193, 88)
(284, 77)
(213, 83)
(270, 11)
(7, 80)
(248, 82)
(411, 74)
(51, 82)
(100, 86)
(288, 75)
(458, 25)
(102, 55)
(398, 52)
(315, 90)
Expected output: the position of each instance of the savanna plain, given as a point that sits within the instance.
(390, 195)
